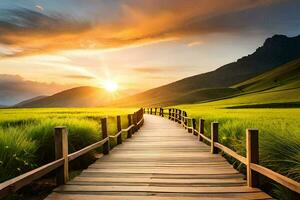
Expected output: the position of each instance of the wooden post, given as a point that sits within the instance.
(194, 126)
(162, 112)
(138, 117)
(119, 128)
(214, 136)
(189, 128)
(175, 114)
(185, 119)
(252, 156)
(179, 116)
(105, 135)
(201, 129)
(170, 111)
(155, 111)
(61, 151)
(129, 124)
(135, 121)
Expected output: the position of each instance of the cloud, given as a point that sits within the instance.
(13, 89)
(82, 77)
(195, 43)
(121, 23)
(39, 8)
(148, 69)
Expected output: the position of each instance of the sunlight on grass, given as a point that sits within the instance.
(279, 133)
(27, 139)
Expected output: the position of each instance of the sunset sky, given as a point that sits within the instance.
(49, 45)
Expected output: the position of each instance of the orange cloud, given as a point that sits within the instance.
(140, 22)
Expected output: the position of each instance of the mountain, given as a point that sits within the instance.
(283, 77)
(279, 87)
(76, 97)
(275, 51)
(28, 101)
(15, 88)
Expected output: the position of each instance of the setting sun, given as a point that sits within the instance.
(110, 85)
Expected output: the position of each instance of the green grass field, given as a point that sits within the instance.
(27, 138)
(269, 102)
(279, 134)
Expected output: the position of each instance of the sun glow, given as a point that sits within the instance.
(110, 85)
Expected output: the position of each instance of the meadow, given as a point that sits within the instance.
(27, 137)
(279, 135)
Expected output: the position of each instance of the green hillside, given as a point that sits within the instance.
(200, 94)
(273, 89)
(284, 77)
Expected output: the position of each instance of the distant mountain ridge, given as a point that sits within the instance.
(28, 101)
(228, 80)
(275, 51)
(84, 96)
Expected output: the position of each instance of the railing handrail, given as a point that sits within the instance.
(287, 182)
(14, 184)
(86, 149)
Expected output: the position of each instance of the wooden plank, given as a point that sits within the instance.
(92, 188)
(156, 180)
(158, 184)
(166, 176)
(165, 171)
(155, 196)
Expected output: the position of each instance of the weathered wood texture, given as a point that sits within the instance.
(162, 161)
(61, 151)
(119, 128)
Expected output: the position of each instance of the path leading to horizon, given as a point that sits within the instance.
(160, 162)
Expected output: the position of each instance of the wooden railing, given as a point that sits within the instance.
(252, 158)
(135, 121)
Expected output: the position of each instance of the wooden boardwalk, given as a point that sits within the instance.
(161, 161)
